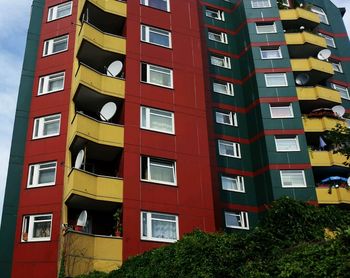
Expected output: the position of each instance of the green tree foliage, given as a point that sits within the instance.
(340, 139)
(289, 242)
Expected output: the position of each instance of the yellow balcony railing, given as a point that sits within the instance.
(297, 14)
(305, 38)
(325, 158)
(97, 131)
(113, 7)
(101, 83)
(320, 124)
(95, 187)
(318, 92)
(311, 64)
(333, 196)
(104, 41)
(84, 253)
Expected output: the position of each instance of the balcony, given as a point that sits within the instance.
(85, 253)
(333, 196)
(97, 131)
(314, 97)
(316, 70)
(320, 124)
(102, 188)
(326, 159)
(295, 18)
(94, 80)
(113, 7)
(305, 44)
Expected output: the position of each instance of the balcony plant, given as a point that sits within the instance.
(118, 225)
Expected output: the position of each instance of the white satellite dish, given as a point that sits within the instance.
(82, 219)
(348, 181)
(339, 110)
(302, 28)
(114, 68)
(302, 79)
(108, 111)
(324, 54)
(79, 159)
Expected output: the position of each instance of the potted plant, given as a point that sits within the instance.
(118, 226)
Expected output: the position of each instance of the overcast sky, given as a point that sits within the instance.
(14, 20)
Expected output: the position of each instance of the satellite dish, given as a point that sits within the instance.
(348, 181)
(302, 28)
(339, 110)
(302, 79)
(114, 68)
(108, 111)
(82, 219)
(324, 54)
(79, 159)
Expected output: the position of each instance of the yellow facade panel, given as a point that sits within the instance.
(333, 196)
(318, 92)
(326, 159)
(305, 37)
(320, 124)
(311, 64)
(299, 13)
(109, 6)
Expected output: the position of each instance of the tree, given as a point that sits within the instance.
(340, 139)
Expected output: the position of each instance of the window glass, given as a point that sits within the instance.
(265, 27)
(158, 120)
(55, 45)
(156, 36)
(237, 220)
(329, 40)
(276, 79)
(159, 227)
(321, 14)
(293, 178)
(158, 170)
(344, 92)
(223, 88)
(220, 61)
(281, 110)
(227, 118)
(36, 228)
(233, 183)
(42, 174)
(227, 148)
(60, 11)
(217, 36)
(46, 126)
(157, 75)
(158, 4)
(261, 3)
(271, 53)
(51, 83)
(287, 144)
(214, 13)
(337, 66)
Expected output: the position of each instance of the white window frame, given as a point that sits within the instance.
(158, 162)
(34, 174)
(237, 181)
(39, 125)
(329, 40)
(53, 11)
(28, 223)
(224, 61)
(146, 32)
(285, 3)
(337, 66)
(146, 3)
(44, 83)
(343, 91)
(229, 114)
(270, 50)
(242, 217)
(260, 4)
(217, 36)
(278, 105)
(321, 13)
(292, 172)
(214, 13)
(229, 89)
(280, 74)
(49, 44)
(274, 30)
(295, 142)
(159, 69)
(236, 149)
(149, 111)
(149, 216)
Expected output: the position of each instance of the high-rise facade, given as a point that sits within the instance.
(140, 121)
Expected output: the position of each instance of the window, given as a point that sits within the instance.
(159, 226)
(157, 75)
(46, 126)
(344, 92)
(157, 120)
(337, 66)
(329, 40)
(293, 178)
(42, 174)
(158, 170)
(276, 80)
(285, 3)
(155, 36)
(279, 110)
(217, 36)
(270, 53)
(214, 13)
(321, 14)
(36, 227)
(60, 11)
(226, 118)
(260, 4)
(221, 61)
(231, 149)
(233, 183)
(51, 83)
(55, 45)
(265, 27)
(287, 144)
(158, 4)
(237, 220)
(224, 88)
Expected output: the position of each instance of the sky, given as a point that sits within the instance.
(14, 21)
